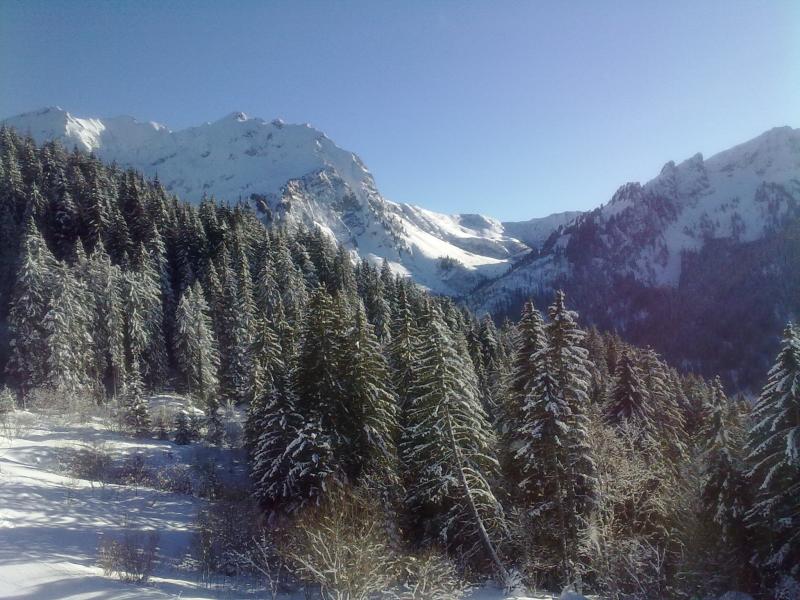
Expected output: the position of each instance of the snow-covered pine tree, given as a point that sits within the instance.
(267, 355)
(268, 365)
(372, 404)
(183, 431)
(235, 338)
(668, 417)
(403, 346)
(103, 283)
(447, 449)
(569, 359)
(774, 456)
(545, 474)
(559, 469)
(529, 340)
(318, 381)
(726, 492)
(134, 406)
(630, 400)
(292, 462)
(27, 365)
(69, 340)
(195, 347)
(144, 338)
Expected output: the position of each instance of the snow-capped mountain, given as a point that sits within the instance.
(707, 250)
(645, 231)
(295, 174)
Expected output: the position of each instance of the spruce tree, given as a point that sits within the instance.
(530, 340)
(68, 341)
(447, 448)
(135, 412)
(183, 431)
(195, 347)
(774, 457)
(559, 470)
(403, 347)
(371, 403)
(27, 366)
(726, 493)
(630, 399)
(292, 463)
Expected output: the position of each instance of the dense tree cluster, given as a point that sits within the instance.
(565, 455)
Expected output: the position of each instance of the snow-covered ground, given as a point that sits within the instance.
(52, 522)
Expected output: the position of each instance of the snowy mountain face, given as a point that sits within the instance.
(294, 174)
(706, 246)
(645, 231)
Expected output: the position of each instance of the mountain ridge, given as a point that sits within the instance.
(295, 174)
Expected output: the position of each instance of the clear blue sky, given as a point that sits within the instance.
(510, 109)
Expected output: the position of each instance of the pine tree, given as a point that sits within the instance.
(235, 339)
(530, 340)
(558, 467)
(447, 449)
(726, 493)
(371, 404)
(135, 412)
(107, 321)
(774, 447)
(668, 418)
(183, 431)
(68, 341)
(630, 399)
(403, 346)
(195, 347)
(292, 459)
(27, 363)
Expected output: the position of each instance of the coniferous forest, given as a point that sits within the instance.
(385, 424)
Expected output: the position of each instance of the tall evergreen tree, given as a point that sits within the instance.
(27, 363)
(371, 403)
(195, 347)
(447, 448)
(68, 341)
(559, 469)
(774, 447)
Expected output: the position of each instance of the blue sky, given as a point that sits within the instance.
(510, 109)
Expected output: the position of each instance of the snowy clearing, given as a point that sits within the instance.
(52, 522)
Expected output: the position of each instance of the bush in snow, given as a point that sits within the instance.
(93, 463)
(342, 546)
(130, 558)
(430, 576)
(7, 402)
(224, 538)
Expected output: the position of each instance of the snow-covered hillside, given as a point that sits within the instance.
(645, 231)
(535, 232)
(52, 521)
(295, 174)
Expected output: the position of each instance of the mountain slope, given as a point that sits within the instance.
(294, 174)
(706, 250)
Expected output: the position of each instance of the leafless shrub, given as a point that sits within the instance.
(93, 463)
(261, 557)
(429, 576)
(134, 472)
(341, 546)
(176, 479)
(65, 405)
(130, 558)
(223, 536)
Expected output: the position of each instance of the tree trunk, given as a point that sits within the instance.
(484, 535)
